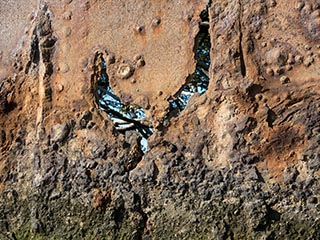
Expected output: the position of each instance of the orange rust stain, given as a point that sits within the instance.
(3, 164)
(101, 198)
(280, 148)
(2, 187)
(157, 30)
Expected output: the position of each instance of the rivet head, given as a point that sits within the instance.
(125, 71)
(284, 80)
(139, 29)
(137, 57)
(141, 63)
(156, 21)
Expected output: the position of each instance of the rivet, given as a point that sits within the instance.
(156, 21)
(140, 29)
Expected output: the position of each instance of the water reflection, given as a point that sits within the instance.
(124, 116)
(198, 82)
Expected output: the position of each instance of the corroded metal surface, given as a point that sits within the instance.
(160, 32)
(15, 18)
(242, 159)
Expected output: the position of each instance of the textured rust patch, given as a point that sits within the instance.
(101, 199)
(279, 148)
(2, 187)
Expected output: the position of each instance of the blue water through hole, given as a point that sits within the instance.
(198, 82)
(124, 116)
(127, 117)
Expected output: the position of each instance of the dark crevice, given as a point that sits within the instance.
(124, 116)
(34, 55)
(119, 212)
(242, 62)
(271, 117)
(272, 216)
(35, 51)
(143, 222)
(46, 44)
(9, 106)
(253, 90)
(198, 81)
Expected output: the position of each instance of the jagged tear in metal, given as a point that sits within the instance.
(198, 81)
(127, 117)
(124, 116)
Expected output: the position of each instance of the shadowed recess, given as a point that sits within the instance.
(124, 116)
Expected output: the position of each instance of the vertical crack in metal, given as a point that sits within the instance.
(242, 62)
